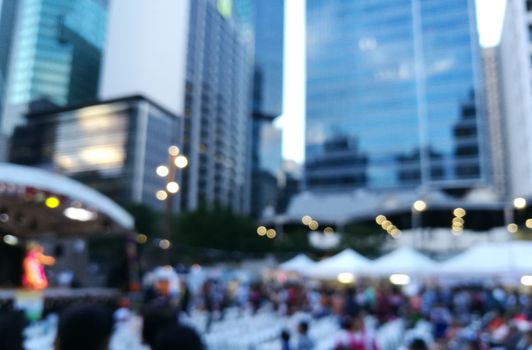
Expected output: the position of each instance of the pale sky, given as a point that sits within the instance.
(490, 16)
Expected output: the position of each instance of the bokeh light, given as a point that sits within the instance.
(459, 212)
(346, 278)
(519, 203)
(162, 170)
(172, 187)
(271, 233)
(52, 202)
(261, 230)
(313, 225)
(173, 151)
(161, 195)
(164, 244)
(419, 205)
(181, 162)
(142, 238)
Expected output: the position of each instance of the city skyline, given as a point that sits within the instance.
(489, 23)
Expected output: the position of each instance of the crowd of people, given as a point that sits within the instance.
(432, 317)
(429, 317)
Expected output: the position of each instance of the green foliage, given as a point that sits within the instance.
(219, 228)
(146, 219)
(365, 239)
(294, 239)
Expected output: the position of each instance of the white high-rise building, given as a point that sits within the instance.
(192, 58)
(515, 53)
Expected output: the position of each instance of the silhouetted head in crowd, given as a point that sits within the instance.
(285, 336)
(176, 337)
(11, 326)
(418, 344)
(302, 327)
(472, 345)
(84, 327)
(346, 323)
(156, 317)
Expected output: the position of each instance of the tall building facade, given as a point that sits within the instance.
(193, 58)
(113, 146)
(515, 72)
(266, 20)
(217, 121)
(56, 54)
(8, 11)
(496, 125)
(394, 95)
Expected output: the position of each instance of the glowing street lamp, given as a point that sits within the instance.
(172, 187)
(162, 170)
(176, 162)
(419, 205)
(519, 203)
(181, 162)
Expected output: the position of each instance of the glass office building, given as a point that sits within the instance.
(8, 10)
(113, 146)
(7, 22)
(268, 30)
(264, 20)
(56, 54)
(394, 95)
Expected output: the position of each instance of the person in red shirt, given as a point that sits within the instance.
(355, 336)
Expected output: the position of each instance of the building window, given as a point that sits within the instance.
(529, 5)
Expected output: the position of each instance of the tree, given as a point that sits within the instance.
(219, 228)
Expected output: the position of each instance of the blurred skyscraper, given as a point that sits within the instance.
(265, 19)
(55, 54)
(217, 108)
(499, 158)
(194, 59)
(8, 10)
(515, 68)
(394, 96)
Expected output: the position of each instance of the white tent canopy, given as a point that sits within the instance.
(404, 260)
(300, 264)
(491, 259)
(346, 261)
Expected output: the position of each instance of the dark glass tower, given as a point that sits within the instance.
(393, 95)
(264, 19)
(56, 54)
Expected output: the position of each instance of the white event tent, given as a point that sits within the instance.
(347, 261)
(300, 264)
(404, 260)
(491, 259)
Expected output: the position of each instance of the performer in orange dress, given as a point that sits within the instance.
(34, 276)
